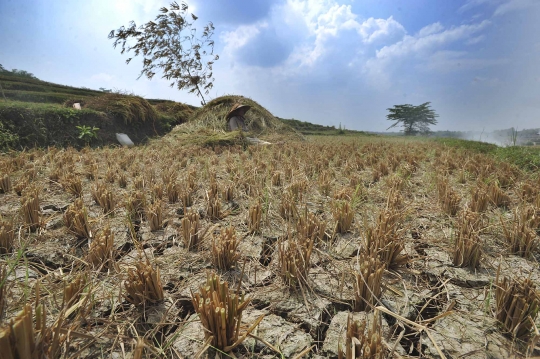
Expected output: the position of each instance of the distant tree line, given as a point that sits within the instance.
(15, 72)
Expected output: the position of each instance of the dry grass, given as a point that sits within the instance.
(220, 312)
(448, 199)
(468, 245)
(143, 284)
(497, 196)
(225, 249)
(479, 199)
(360, 343)
(310, 226)
(517, 305)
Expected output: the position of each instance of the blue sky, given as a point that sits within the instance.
(323, 61)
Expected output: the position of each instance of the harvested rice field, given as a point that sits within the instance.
(327, 248)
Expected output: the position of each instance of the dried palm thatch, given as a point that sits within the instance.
(294, 258)
(7, 236)
(367, 289)
(30, 208)
(143, 284)
(101, 250)
(190, 230)
(225, 249)
(255, 218)
(343, 215)
(360, 343)
(521, 238)
(468, 245)
(220, 312)
(517, 305)
(76, 219)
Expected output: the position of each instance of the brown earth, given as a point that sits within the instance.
(454, 306)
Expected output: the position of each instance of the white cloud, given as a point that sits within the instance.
(419, 46)
(471, 4)
(237, 38)
(515, 5)
(475, 40)
(448, 61)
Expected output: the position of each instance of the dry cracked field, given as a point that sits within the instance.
(367, 248)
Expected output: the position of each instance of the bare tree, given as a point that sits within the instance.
(170, 44)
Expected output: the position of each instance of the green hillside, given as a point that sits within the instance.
(40, 113)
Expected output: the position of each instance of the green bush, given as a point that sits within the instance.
(476, 146)
(524, 157)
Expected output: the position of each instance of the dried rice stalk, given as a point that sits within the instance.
(7, 236)
(255, 218)
(76, 219)
(343, 215)
(154, 215)
(190, 230)
(468, 246)
(143, 284)
(220, 312)
(225, 249)
(359, 344)
(497, 196)
(295, 260)
(103, 197)
(384, 241)
(30, 208)
(5, 184)
(367, 289)
(517, 305)
(72, 183)
(521, 238)
(101, 250)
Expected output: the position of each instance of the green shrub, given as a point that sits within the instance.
(476, 146)
(179, 112)
(524, 157)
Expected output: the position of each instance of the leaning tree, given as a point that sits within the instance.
(170, 44)
(413, 119)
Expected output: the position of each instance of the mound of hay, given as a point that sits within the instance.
(211, 121)
(130, 109)
(181, 112)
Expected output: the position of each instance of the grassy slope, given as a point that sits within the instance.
(39, 113)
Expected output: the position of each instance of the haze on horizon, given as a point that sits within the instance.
(322, 61)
